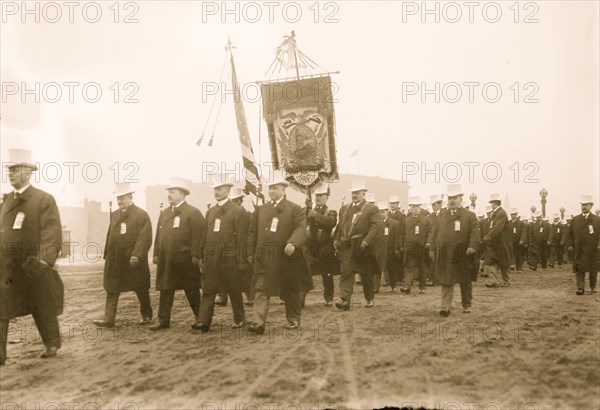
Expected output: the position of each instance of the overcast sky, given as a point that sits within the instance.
(386, 52)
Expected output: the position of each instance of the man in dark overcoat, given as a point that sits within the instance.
(224, 256)
(31, 240)
(177, 252)
(126, 269)
(498, 245)
(358, 231)
(455, 239)
(275, 240)
(584, 242)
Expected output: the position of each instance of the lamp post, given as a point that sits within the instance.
(543, 195)
(473, 199)
(533, 209)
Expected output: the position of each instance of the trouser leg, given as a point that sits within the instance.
(261, 301)
(447, 295)
(193, 297)
(143, 295)
(327, 286)
(293, 308)
(110, 309)
(165, 304)
(466, 293)
(47, 325)
(3, 339)
(207, 308)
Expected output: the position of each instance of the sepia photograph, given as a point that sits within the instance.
(299, 205)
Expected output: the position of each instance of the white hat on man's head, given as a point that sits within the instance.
(358, 186)
(278, 179)
(322, 188)
(181, 184)
(537, 214)
(495, 197)
(454, 190)
(20, 157)
(370, 197)
(488, 209)
(435, 198)
(123, 188)
(513, 211)
(414, 200)
(382, 205)
(221, 181)
(235, 193)
(586, 199)
(394, 199)
(556, 216)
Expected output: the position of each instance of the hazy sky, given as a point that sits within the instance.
(387, 53)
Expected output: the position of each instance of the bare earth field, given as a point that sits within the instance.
(534, 345)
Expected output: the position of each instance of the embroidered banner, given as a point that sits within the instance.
(301, 124)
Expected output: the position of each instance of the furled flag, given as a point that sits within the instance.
(252, 178)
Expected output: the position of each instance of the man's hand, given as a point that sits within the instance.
(570, 249)
(311, 213)
(427, 246)
(432, 255)
(470, 251)
(134, 260)
(548, 243)
(155, 260)
(290, 249)
(363, 245)
(250, 260)
(521, 243)
(195, 260)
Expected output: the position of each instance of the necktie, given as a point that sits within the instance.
(273, 203)
(17, 195)
(453, 212)
(172, 209)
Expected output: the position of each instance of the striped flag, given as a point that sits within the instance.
(252, 178)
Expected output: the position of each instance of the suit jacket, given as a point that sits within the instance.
(362, 223)
(416, 234)
(451, 237)
(538, 232)
(225, 239)
(584, 237)
(178, 239)
(320, 251)
(129, 234)
(498, 240)
(516, 231)
(26, 285)
(558, 234)
(397, 216)
(270, 232)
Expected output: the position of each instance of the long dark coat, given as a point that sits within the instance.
(175, 247)
(498, 239)
(584, 237)
(452, 235)
(225, 246)
(320, 252)
(129, 234)
(283, 273)
(413, 243)
(26, 285)
(368, 227)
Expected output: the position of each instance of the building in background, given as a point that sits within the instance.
(84, 230)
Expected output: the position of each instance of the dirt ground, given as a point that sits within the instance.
(534, 345)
